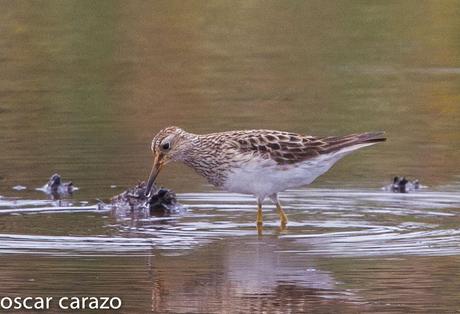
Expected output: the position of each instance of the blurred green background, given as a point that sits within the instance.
(84, 85)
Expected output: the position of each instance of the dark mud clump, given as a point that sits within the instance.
(403, 185)
(160, 200)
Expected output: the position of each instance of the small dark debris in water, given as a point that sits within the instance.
(403, 185)
(161, 201)
(56, 187)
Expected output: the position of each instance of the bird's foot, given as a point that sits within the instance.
(283, 217)
(260, 218)
(283, 226)
(283, 220)
(260, 229)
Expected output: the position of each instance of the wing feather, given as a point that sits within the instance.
(290, 148)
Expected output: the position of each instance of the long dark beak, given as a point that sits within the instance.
(153, 175)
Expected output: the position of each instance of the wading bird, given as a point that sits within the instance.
(257, 162)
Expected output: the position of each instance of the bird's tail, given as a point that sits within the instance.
(352, 141)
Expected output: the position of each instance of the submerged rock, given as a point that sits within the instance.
(160, 200)
(402, 185)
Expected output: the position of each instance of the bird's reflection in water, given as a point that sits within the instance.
(243, 275)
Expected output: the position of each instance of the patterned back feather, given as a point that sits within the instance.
(290, 148)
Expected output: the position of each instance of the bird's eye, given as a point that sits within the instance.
(165, 146)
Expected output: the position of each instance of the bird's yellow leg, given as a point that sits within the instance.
(279, 209)
(260, 218)
(282, 214)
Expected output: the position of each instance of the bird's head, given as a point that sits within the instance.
(168, 145)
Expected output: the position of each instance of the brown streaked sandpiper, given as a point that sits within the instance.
(257, 162)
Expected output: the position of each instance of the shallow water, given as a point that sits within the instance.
(85, 85)
(351, 250)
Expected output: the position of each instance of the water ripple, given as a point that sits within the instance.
(322, 222)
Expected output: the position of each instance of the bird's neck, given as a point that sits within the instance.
(201, 155)
(194, 150)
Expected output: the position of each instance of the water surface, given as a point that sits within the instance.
(85, 85)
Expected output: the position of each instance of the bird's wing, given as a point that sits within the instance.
(290, 148)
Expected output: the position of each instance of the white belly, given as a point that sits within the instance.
(263, 178)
